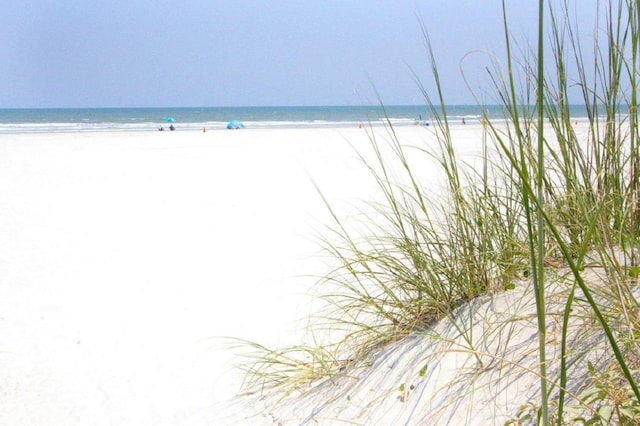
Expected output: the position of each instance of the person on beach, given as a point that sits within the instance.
(172, 128)
(161, 128)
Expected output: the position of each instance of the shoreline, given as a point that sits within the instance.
(14, 121)
(149, 127)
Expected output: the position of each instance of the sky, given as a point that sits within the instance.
(146, 53)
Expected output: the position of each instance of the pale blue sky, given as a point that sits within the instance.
(101, 53)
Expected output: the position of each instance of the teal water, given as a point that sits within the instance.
(144, 119)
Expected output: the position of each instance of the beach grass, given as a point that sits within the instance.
(549, 214)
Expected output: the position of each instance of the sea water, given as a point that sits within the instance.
(146, 119)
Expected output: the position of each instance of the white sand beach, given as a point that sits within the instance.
(124, 256)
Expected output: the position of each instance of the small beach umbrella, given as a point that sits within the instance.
(235, 124)
(169, 120)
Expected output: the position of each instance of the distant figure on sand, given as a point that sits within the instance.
(463, 121)
(172, 128)
(161, 128)
(421, 121)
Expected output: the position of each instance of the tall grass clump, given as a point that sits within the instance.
(584, 192)
(551, 196)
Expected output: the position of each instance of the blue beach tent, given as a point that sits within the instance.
(235, 124)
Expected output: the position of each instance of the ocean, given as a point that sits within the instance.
(195, 118)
